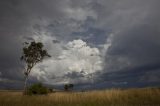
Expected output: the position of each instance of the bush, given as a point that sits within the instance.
(50, 90)
(37, 89)
(68, 87)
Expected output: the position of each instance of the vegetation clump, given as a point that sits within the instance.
(68, 87)
(37, 89)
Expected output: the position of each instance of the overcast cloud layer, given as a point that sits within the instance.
(111, 43)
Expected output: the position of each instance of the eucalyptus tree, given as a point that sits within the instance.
(33, 53)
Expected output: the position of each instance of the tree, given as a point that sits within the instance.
(71, 86)
(68, 86)
(33, 53)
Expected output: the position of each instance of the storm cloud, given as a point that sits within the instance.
(120, 39)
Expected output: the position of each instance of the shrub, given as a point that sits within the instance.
(37, 89)
(68, 86)
(50, 90)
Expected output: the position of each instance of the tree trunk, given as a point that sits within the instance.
(25, 85)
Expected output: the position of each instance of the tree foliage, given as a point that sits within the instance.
(68, 86)
(32, 54)
(37, 89)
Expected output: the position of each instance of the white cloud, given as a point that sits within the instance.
(76, 57)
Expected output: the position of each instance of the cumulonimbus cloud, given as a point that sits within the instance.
(76, 57)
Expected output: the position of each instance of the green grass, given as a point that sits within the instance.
(113, 97)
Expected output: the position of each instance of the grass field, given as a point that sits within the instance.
(113, 97)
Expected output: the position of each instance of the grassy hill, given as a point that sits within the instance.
(113, 97)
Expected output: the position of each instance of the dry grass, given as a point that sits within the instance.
(114, 97)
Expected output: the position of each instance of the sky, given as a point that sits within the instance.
(94, 44)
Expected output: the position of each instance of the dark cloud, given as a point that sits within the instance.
(56, 41)
(136, 46)
(141, 76)
(74, 74)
